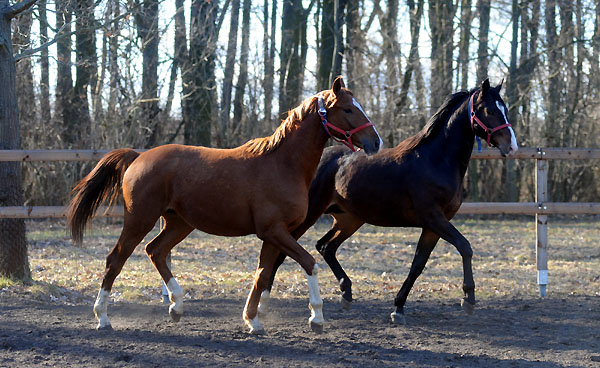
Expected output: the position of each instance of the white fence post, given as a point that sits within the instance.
(541, 233)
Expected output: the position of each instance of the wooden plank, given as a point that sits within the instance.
(541, 153)
(498, 208)
(51, 212)
(485, 154)
(53, 155)
(467, 208)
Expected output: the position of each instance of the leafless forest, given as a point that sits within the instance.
(116, 73)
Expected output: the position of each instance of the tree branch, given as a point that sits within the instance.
(17, 8)
(30, 52)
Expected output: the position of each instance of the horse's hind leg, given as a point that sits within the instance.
(175, 230)
(268, 254)
(343, 227)
(132, 234)
(427, 242)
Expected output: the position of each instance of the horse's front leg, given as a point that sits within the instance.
(441, 226)
(427, 242)
(279, 236)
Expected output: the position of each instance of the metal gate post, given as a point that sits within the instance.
(541, 234)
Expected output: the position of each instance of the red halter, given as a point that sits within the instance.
(327, 125)
(475, 119)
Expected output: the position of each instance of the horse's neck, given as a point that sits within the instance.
(455, 140)
(304, 146)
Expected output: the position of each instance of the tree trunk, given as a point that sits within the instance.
(63, 109)
(338, 49)
(441, 13)
(45, 112)
(511, 187)
(292, 55)
(354, 43)
(269, 56)
(225, 126)
(416, 13)
(465, 41)
(199, 74)
(13, 247)
(240, 89)
(553, 95)
(25, 95)
(327, 44)
(147, 25)
(113, 62)
(391, 52)
(86, 72)
(483, 8)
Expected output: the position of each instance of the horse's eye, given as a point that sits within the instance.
(348, 111)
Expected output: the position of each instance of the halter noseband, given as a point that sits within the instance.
(346, 133)
(474, 119)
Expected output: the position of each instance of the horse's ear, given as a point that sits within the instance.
(499, 86)
(485, 87)
(338, 84)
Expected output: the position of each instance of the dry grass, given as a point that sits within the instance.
(376, 259)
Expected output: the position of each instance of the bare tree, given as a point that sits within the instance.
(13, 249)
(147, 24)
(224, 123)
(269, 59)
(243, 125)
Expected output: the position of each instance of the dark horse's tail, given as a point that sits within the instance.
(104, 181)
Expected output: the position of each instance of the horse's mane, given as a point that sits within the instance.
(436, 122)
(269, 144)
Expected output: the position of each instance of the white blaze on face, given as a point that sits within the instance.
(365, 114)
(513, 139)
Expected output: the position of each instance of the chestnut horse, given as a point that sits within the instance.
(415, 184)
(258, 188)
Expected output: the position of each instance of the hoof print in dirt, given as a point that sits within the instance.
(398, 319)
(467, 307)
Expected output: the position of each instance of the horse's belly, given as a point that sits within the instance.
(223, 220)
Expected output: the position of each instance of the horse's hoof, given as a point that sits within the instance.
(398, 318)
(346, 304)
(467, 307)
(316, 327)
(107, 327)
(175, 316)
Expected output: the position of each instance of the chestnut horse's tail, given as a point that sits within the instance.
(104, 181)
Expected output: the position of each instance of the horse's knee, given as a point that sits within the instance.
(465, 250)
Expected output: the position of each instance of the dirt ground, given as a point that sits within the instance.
(50, 323)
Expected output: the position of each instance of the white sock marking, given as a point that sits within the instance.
(315, 301)
(264, 302)
(176, 296)
(101, 308)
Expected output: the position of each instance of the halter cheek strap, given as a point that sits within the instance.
(474, 119)
(346, 133)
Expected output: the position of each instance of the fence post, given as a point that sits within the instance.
(541, 233)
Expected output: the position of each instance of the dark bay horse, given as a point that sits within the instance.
(415, 184)
(258, 188)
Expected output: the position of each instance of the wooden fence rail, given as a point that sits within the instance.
(541, 208)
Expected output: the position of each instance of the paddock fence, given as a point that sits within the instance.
(541, 208)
